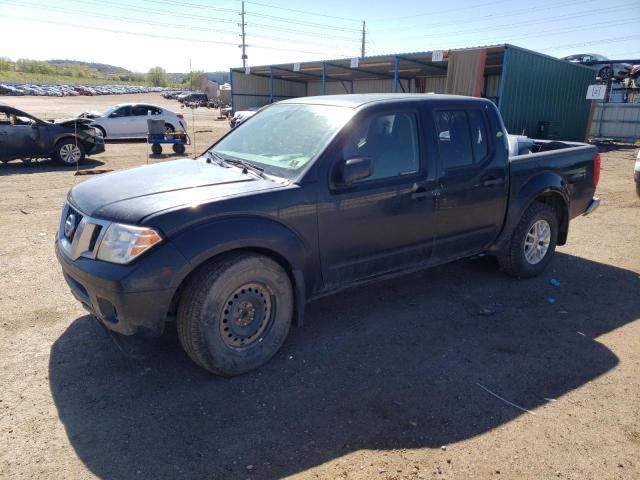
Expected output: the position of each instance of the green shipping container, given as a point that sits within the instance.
(543, 97)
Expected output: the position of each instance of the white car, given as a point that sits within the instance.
(130, 120)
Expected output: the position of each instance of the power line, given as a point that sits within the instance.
(511, 25)
(167, 37)
(299, 22)
(483, 18)
(259, 26)
(436, 12)
(306, 12)
(565, 30)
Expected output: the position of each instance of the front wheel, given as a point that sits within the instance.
(533, 242)
(235, 313)
(69, 152)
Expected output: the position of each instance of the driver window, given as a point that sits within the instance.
(389, 140)
(4, 119)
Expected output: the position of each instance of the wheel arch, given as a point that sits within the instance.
(207, 243)
(549, 188)
(296, 277)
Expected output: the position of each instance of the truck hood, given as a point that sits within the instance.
(130, 195)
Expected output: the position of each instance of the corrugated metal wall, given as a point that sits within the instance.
(253, 91)
(540, 89)
(492, 87)
(359, 86)
(435, 84)
(620, 121)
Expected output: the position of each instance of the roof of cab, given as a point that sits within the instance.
(360, 99)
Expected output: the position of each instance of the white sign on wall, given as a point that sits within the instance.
(596, 92)
(355, 62)
(296, 67)
(247, 70)
(437, 56)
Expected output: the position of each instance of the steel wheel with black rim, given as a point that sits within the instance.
(69, 152)
(235, 313)
(533, 242)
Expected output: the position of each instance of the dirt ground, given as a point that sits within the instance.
(390, 381)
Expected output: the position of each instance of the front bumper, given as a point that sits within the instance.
(96, 147)
(593, 206)
(127, 299)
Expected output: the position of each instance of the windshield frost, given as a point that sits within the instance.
(283, 138)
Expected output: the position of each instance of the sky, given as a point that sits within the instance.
(204, 34)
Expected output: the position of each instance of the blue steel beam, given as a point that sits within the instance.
(419, 62)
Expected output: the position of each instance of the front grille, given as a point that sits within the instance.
(79, 234)
(71, 223)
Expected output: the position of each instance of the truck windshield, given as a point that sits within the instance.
(283, 138)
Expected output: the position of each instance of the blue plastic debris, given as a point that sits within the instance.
(551, 300)
(555, 282)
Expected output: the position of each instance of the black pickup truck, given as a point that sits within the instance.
(307, 197)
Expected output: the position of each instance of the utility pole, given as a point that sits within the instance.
(364, 33)
(243, 35)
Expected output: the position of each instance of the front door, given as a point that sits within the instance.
(21, 136)
(381, 223)
(119, 123)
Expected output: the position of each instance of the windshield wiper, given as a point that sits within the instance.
(215, 156)
(246, 166)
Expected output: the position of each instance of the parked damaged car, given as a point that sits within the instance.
(25, 137)
(601, 64)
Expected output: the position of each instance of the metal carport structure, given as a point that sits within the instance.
(531, 89)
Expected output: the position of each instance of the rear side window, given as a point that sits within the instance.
(454, 141)
(144, 110)
(479, 138)
(462, 138)
(390, 141)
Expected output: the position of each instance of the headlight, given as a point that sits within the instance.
(124, 243)
(97, 132)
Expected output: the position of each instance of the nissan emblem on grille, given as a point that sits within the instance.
(70, 225)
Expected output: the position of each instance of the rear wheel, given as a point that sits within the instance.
(168, 128)
(156, 148)
(179, 148)
(533, 242)
(235, 313)
(605, 74)
(69, 152)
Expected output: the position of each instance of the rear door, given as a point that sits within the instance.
(140, 114)
(382, 223)
(473, 179)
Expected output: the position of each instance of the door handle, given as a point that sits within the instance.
(490, 182)
(421, 192)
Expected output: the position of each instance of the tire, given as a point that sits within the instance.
(235, 313)
(605, 74)
(178, 148)
(638, 189)
(156, 148)
(520, 260)
(168, 128)
(69, 152)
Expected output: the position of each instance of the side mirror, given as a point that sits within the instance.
(353, 170)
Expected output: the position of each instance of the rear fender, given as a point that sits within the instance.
(546, 187)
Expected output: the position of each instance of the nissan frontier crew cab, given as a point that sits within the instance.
(309, 196)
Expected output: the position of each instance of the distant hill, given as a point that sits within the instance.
(101, 67)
